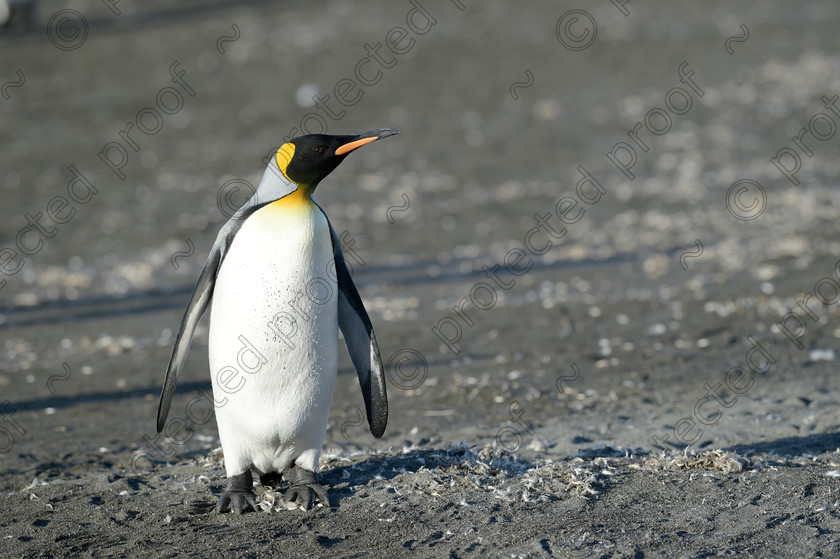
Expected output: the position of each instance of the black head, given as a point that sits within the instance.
(306, 160)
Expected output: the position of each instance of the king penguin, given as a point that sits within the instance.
(281, 290)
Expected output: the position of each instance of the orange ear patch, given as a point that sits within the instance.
(348, 147)
(284, 156)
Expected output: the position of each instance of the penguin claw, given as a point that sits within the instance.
(305, 495)
(237, 502)
(239, 495)
(305, 488)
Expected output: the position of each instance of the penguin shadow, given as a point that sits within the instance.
(345, 481)
(791, 446)
(783, 446)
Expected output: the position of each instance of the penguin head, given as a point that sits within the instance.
(306, 160)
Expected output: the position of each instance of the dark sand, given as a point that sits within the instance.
(599, 404)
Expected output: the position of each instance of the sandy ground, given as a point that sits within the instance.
(647, 373)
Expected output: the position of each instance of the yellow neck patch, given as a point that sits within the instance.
(295, 201)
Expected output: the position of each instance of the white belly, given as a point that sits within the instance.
(274, 339)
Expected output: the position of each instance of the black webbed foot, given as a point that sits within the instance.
(305, 488)
(239, 496)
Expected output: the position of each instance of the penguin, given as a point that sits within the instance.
(281, 290)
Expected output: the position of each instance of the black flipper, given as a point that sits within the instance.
(198, 304)
(361, 343)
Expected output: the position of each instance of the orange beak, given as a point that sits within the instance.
(365, 138)
(348, 147)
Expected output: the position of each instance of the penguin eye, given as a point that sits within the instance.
(320, 149)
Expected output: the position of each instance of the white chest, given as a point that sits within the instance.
(276, 281)
(274, 329)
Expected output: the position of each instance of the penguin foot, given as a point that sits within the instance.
(239, 496)
(305, 488)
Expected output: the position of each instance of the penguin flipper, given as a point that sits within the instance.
(361, 343)
(199, 300)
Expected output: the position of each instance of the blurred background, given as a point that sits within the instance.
(152, 124)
